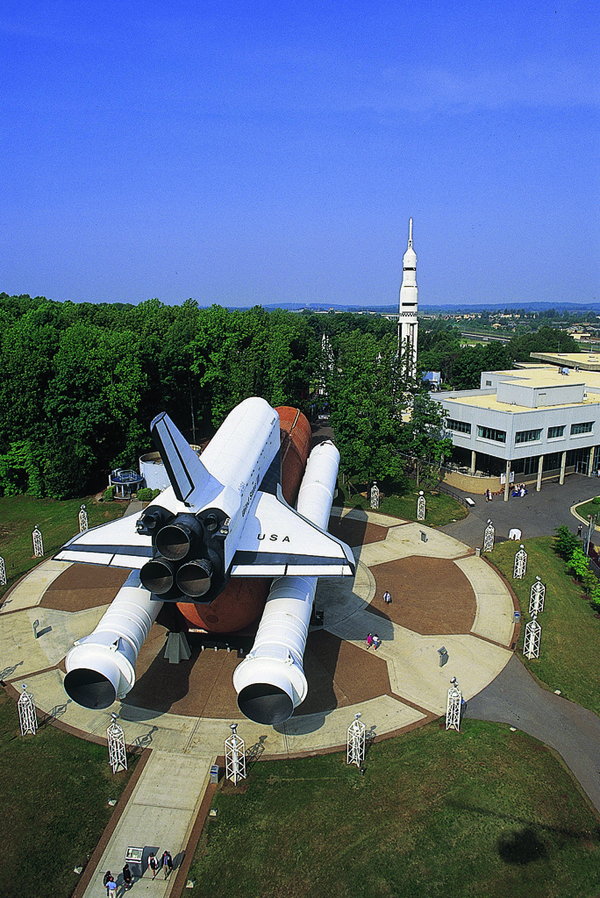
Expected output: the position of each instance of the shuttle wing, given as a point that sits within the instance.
(277, 541)
(116, 544)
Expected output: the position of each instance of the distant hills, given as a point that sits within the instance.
(441, 309)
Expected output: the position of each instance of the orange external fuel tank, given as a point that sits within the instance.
(243, 599)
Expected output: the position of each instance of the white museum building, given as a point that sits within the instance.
(529, 424)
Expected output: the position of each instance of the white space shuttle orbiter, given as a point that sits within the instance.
(223, 515)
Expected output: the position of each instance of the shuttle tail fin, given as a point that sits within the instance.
(186, 471)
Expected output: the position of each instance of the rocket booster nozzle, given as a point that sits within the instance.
(101, 667)
(194, 578)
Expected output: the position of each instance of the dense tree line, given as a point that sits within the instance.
(80, 383)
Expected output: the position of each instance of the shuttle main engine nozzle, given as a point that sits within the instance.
(101, 667)
(188, 556)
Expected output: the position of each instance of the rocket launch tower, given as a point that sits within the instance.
(408, 324)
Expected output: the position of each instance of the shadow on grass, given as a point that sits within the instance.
(521, 846)
(524, 845)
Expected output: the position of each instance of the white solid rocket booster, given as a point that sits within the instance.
(101, 666)
(270, 681)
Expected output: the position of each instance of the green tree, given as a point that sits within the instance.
(423, 439)
(366, 401)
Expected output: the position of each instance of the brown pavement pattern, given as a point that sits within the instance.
(84, 586)
(430, 596)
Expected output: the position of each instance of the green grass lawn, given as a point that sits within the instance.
(441, 509)
(455, 815)
(54, 793)
(570, 640)
(588, 508)
(57, 521)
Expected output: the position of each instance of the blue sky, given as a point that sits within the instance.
(244, 153)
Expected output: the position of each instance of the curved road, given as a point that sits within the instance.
(514, 697)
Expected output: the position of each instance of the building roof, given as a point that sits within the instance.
(534, 377)
(585, 361)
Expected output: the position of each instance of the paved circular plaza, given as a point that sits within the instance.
(442, 595)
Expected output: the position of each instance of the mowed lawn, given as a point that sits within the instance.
(440, 508)
(570, 638)
(57, 522)
(484, 812)
(54, 794)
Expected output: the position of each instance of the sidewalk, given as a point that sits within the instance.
(159, 816)
(536, 514)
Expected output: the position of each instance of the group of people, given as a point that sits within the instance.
(520, 490)
(373, 640)
(154, 865)
(165, 863)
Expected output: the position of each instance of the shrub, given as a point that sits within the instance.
(145, 494)
(156, 493)
(109, 494)
(596, 500)
(565, 542)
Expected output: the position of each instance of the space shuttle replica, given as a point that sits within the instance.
(212, 542)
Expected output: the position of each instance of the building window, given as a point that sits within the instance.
(488, 383)
(554, 432)
(490, 433)
(586, 427)
(527, 436)
(458, 426)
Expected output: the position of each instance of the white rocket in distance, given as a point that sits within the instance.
(408, 323)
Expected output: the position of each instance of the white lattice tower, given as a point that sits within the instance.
(356, 741)
(2, 572)
(520, 564)
(375, 496)
(531, 640)
(453, 705)
(536, 599)
(83, 519)
(117, 753)
(421, 507)
(38, 543)
(235, 757)
(27, 713)
(489, 535)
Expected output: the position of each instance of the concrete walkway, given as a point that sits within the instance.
(164, 805)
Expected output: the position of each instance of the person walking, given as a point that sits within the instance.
(387, 598)
(111, 888)
(153, 864)
(127, 877)
(167, 863)
(107, 877)
(369, 640)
